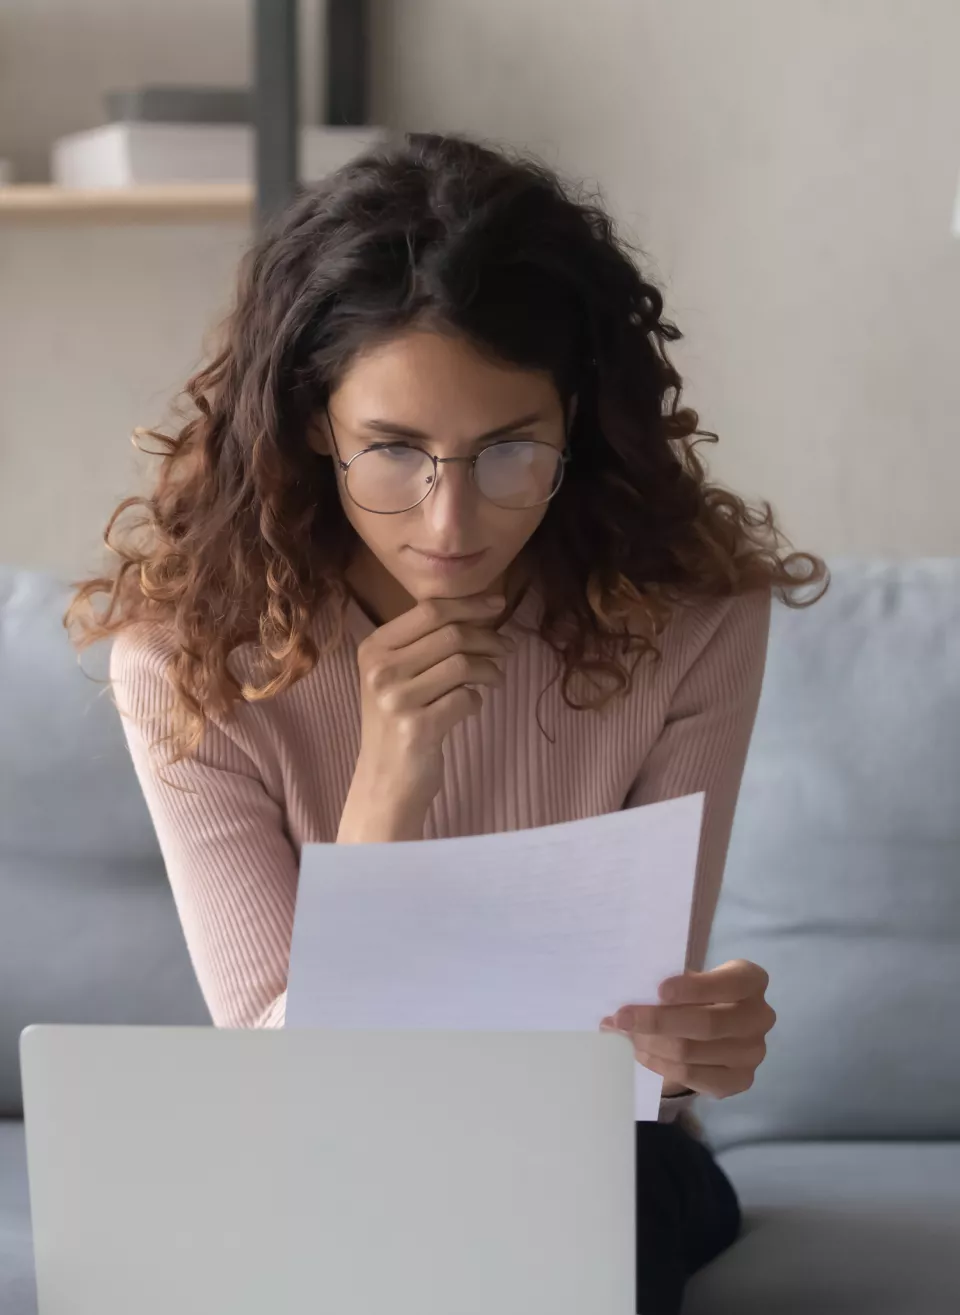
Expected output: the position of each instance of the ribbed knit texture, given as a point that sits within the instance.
(231, 818)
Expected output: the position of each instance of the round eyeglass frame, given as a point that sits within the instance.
(344, 466)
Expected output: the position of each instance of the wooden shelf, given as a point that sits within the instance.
(166, 203)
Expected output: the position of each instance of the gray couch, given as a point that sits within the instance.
(843, 880)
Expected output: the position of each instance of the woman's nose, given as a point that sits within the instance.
(453, 495)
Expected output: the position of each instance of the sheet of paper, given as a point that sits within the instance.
(551, 928)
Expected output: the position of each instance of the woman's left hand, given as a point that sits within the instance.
(708, 1034)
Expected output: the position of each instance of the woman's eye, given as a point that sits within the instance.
(517, 448)
(398, 451)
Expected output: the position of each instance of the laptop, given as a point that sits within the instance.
(194, 1171)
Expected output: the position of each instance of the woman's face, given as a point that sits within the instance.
(439, 395)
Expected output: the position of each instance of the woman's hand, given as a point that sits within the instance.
(708, 1034)
(416, 674)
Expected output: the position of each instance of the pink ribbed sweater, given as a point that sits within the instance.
(231, 819)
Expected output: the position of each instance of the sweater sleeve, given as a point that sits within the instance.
(703, 747)
(231, 866)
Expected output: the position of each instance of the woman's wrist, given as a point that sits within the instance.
(369, 819)
(375, 830)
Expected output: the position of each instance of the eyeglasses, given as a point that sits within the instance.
(515, 474)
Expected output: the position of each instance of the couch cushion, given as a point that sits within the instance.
(839, 1229)
(843, 877)
(88, 930)
(18, 1289)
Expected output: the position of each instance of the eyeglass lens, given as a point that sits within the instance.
(511, 475)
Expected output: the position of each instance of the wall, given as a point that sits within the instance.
(100, 326)
(789, 167)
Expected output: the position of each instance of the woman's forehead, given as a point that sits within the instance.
(425, 379)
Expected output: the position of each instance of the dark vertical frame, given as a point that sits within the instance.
(275, 104)
(345, 53)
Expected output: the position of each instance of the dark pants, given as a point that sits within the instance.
(687, 1213)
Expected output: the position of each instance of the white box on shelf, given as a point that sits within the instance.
(131, 154)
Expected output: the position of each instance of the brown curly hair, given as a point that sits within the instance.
(244, 538)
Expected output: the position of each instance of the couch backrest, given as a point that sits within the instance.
(843, 877)
(88, 930)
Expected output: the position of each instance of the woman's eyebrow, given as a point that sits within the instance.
(405, 431)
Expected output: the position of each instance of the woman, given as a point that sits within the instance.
(435, 556)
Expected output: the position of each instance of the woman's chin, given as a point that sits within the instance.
(458, 577)
(445, 588)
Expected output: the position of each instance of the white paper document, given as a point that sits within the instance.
(551, 928)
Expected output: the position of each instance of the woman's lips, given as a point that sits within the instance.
(447, 563)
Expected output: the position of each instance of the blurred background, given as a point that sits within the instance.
(789, 168)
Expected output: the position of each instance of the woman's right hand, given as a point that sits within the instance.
(416, 674)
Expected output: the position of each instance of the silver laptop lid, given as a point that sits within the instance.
(190, 1171)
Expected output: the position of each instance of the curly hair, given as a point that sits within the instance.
(243, 538)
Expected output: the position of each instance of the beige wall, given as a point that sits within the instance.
(789, 165)
(99, 328)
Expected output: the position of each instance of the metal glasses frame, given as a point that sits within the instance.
(344, 466)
